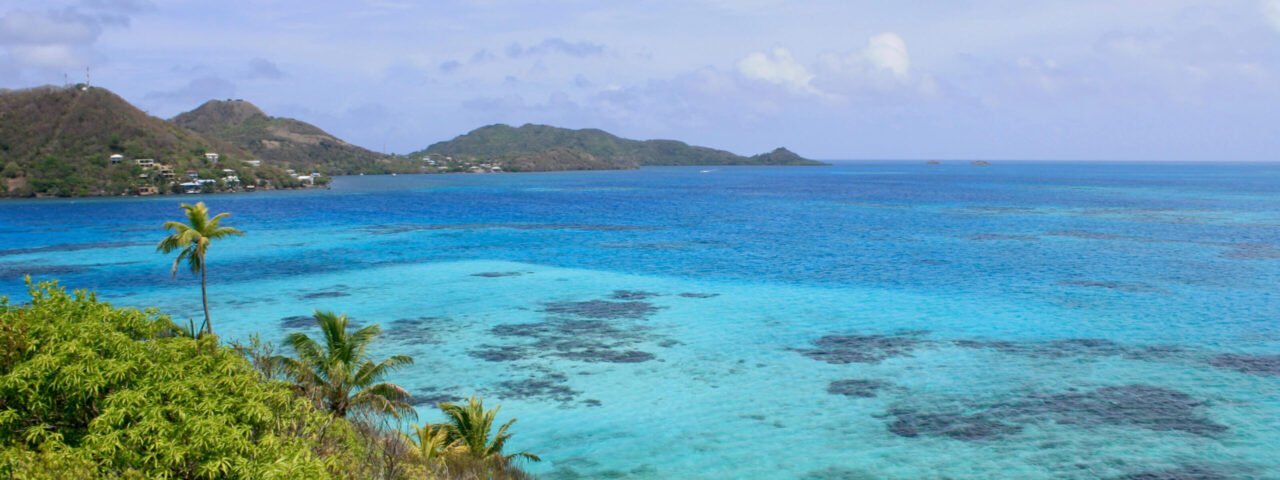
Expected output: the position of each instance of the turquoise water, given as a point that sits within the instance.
(866, 320)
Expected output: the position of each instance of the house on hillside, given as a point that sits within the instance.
(254, 163)
(165, 171)
(211, 157)
(146, 162)
(116, 159)
(190, 187)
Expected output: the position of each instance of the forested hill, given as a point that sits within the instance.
(60, 141)
(286, 142)
(504, 144)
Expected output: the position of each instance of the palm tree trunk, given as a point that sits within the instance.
(204, 297)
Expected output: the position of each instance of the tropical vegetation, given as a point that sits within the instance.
(192, 240)
(338, 373)
(88, 390)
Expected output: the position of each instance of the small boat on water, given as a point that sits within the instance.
(706, 171)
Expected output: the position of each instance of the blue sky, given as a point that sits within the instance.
(990, 79)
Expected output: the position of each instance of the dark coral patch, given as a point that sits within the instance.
(603, 309)
(328, 294)
(497, 274)
(607, 356)
(1128, 287)
(582, 340)
(859, 388)
(68, 247)
(959, 426)
(1266, 365)
(633, 295)
(1074, 347)
(844, 349)
(837, 473)
(432, 398)
(416, 330)
(17, 270)
(699, 295)
(297, 321)
(550, 387)
(501, 353)
(1139, 406)
(1184, 472)
(1143, 406)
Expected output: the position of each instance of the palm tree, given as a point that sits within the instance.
(339, 373)
(468, 428)
(431, 442)
(193, 239)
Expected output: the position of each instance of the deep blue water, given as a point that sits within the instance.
(866, 320)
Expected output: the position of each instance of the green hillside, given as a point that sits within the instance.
(286, 142)
(501, 144)
(59, 142)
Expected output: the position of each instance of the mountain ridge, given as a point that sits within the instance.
(286, 142)
(501, 141)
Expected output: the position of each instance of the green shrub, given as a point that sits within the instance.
(88, 387)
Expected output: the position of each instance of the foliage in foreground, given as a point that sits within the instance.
(91, 391)
(100, 391)
(338, 372)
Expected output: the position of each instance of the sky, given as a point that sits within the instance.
(1186, 80)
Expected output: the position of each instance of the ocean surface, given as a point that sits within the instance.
(865, 320)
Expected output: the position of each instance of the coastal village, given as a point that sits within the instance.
(437, 163)
(204, 175)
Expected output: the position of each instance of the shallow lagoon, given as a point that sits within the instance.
(867, 320)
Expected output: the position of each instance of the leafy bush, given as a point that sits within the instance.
(85, 387)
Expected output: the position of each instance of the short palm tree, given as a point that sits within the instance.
(192, 239)
(430, 442)
(469, 428)
(338, 372)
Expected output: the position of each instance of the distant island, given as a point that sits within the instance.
(87, 141)
(542, 147)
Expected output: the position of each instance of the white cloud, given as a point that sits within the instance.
(888, 51)
(780, 68)
(884, 60)
(1271, 11)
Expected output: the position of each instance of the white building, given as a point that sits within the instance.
(146, 162)
(117, 158)
(254, 163)
(211, 157)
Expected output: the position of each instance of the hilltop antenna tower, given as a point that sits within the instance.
(86, 77)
